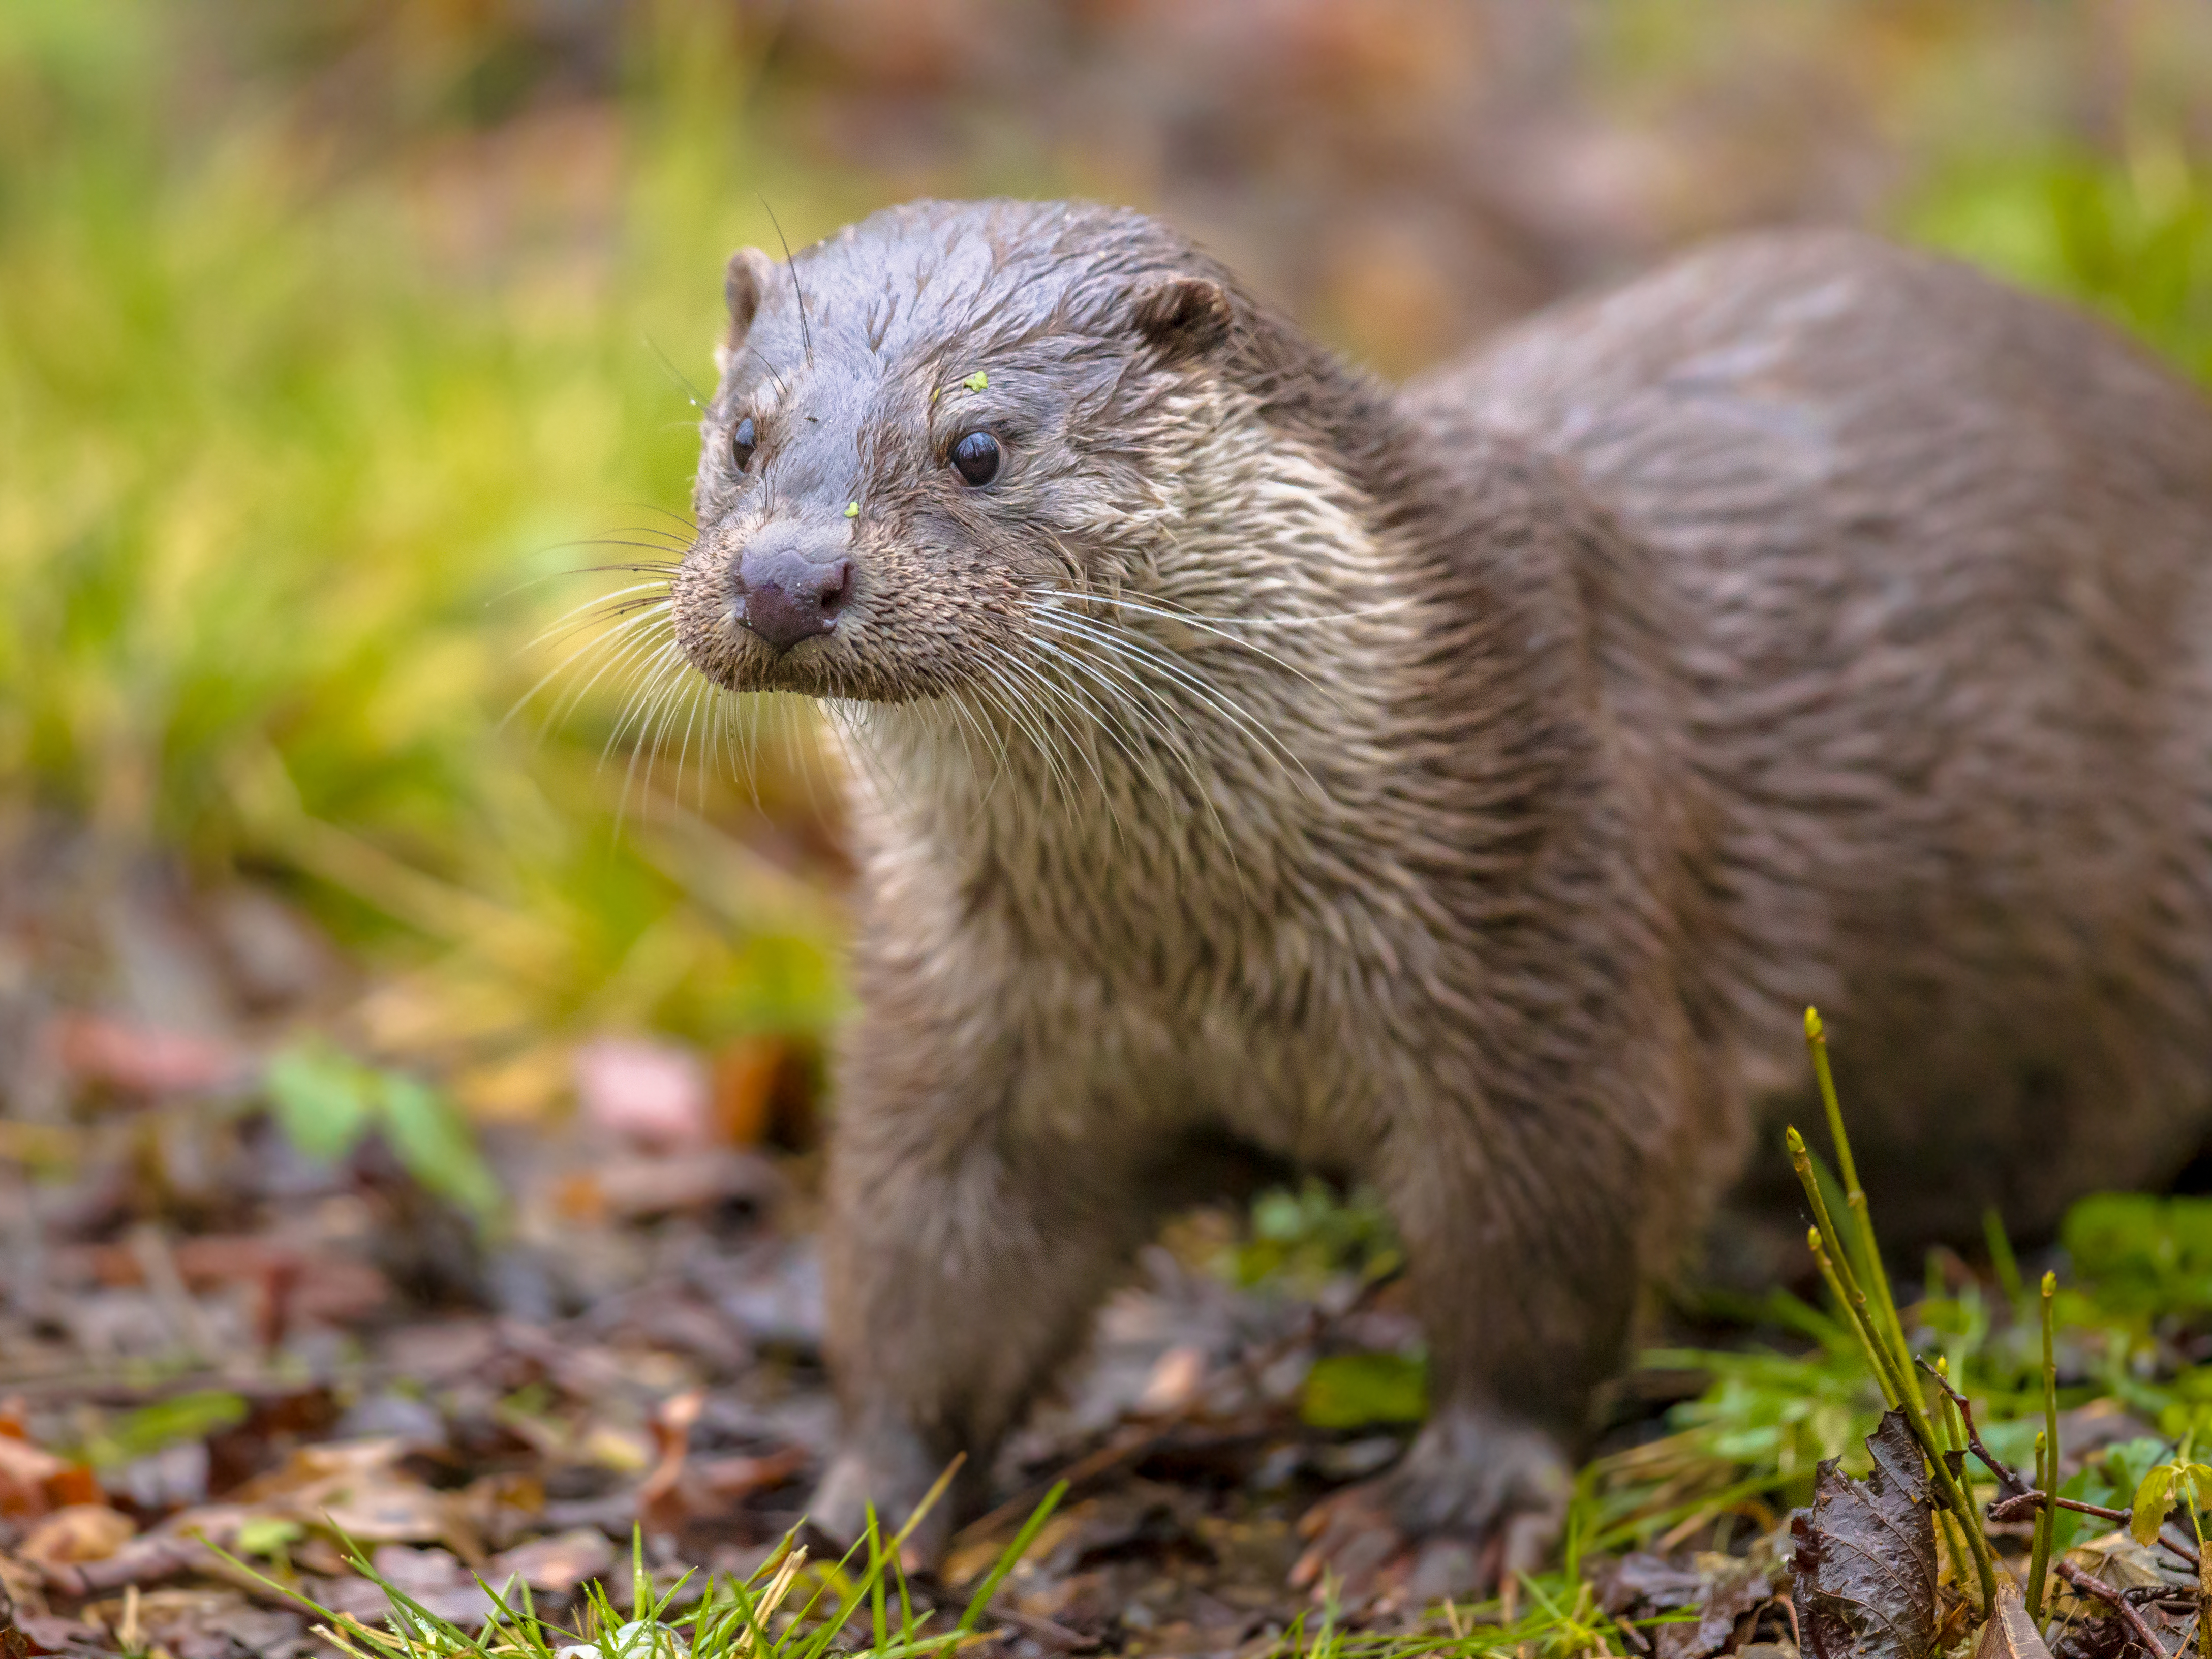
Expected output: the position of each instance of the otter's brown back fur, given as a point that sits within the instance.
(1463, 789)
(1938, 561)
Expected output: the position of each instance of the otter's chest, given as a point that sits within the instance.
(1119, 1060)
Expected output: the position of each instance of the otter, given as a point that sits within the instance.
(1461, 788)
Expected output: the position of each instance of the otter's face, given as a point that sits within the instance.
(895, 466)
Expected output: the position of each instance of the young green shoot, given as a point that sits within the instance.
(2046, 1458)
(1872, 1311)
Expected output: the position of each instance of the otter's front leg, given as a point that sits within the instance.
(971, 1234)
(1522, 1245)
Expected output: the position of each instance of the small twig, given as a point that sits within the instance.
(2005, 1510)
(2113, 1599)
(2163, 1594)
(2008, 1478)
(1046, 1633)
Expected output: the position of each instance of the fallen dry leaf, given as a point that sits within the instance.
(1720, 1589)
(143, 1561)
(734, 1476)
(81, 1532)
(744, 1075)
(1733, 1588)
(329, 1287)
(659, 1503)
(355, 1488)
(501, 1508)
(2116, 1559)
(653, 1093)
(2010, 1633)
(141, 1060)
(389, 1512)
(27, 1475)
(46, 1633)
(1865, 1559)
(625, 1450)
(1176, 1379)
(556, 1565)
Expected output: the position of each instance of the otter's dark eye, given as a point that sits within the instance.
(741, 444)
(976, 457)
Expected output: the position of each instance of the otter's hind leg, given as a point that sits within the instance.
(1523, 1243)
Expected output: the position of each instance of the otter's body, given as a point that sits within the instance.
(1938, 563)
(1462, 789)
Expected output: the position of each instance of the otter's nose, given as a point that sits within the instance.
(788, 596)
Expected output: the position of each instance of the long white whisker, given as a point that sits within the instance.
(632, 616)
(1016, 708)
(993, 740)
(954, 716)
(854, 721)
(601, 641)
(638, 648)
(660, 666)
(699, 685)
(592, 604)
(751, 711)
(664, 567)
(1202, 627)
(1050, 706)
(1059, 664)
(1135, 647)
(1163, 608)
(1144, 704)
(648, 740)
(1073, 661)
(997, 718)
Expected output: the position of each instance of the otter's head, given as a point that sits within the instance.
(930, 422)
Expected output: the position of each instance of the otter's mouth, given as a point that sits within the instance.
(811, 620)
(779, 633)
(737, 659)
(833, 664)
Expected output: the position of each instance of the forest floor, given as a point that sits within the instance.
(282, 1337)
(409, 1154)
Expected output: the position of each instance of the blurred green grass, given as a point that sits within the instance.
(302, 426)
(2129, 236)
(296, 436)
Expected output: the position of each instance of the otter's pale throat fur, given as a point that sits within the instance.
(1463, 788)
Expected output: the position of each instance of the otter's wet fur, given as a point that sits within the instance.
(1462, 788)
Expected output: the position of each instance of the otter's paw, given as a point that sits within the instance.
(894, 1473)
(1474, 1500)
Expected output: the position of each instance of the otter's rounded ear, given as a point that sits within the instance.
(1184, 316)
(743, 281)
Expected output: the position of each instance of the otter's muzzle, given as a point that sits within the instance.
(785, 596)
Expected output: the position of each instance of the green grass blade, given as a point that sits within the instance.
(1013, 1553)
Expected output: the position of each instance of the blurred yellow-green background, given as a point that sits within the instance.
(335, 339)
